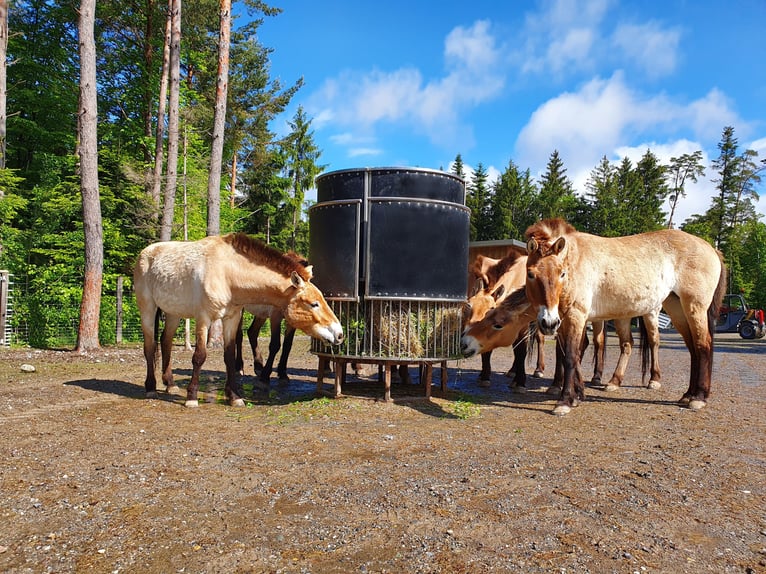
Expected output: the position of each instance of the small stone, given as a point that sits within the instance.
(27, 368)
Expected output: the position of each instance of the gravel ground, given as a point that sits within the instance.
(95, 478)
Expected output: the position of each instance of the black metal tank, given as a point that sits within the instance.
(390, 251)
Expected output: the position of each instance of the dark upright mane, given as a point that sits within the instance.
(546, 232)
(507, 262)
(266, 255)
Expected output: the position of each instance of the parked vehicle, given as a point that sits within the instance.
(736, 317)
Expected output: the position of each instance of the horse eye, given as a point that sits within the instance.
(563, 274)
(530, 276)
(497, 327)
(315, 305)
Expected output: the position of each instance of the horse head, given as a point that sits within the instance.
(546, 278)
(308, 311)
(499, 327)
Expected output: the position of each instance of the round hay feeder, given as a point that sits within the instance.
(390, 249)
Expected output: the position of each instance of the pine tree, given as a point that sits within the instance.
(687, 167)
(478, 202)
(602, 198)
(556, 197)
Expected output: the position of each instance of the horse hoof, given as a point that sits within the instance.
(610, 388)
(484, 383)
(238, 403)
(696, 404)
(553, 390)
(260, 386)
(284, 380)
(561, 410)
(191, 404)
(683, 401)
(151, 394)
(654, 385)
(171, 390)
(538, 374)
(519, 390)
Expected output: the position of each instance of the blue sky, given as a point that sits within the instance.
(415, 83)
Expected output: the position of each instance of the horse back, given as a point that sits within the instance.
(622, 277)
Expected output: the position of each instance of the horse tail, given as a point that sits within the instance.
(715, 304)
(645, 350)
(157, 316)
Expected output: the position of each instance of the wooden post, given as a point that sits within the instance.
(4, 276)
(118, 326)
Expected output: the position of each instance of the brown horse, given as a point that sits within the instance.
(263, 369)
(214, 278)
(503, 324)
(573, 277)
(495, 278)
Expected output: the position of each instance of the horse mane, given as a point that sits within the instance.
(516, 298)
(259, 252)
(546, 232)
(508, 261)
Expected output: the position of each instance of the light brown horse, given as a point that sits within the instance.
(495, 279)
(573, 277)
(214, 278)
(503, 324)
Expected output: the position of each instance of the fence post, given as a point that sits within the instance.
(118, 326)
(3, 307)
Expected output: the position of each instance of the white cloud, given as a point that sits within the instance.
(362, 101)
(649, 46)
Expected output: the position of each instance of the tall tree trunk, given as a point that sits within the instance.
(87, 336)
(3, 79)
(219, 122)
(160, 131)
(171, 180)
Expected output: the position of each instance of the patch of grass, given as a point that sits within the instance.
(464, 408)
(303, 410)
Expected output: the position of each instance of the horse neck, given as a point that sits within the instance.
(260, 284)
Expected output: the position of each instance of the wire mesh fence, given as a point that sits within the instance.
(50, 320)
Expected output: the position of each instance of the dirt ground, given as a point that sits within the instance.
(95, 478)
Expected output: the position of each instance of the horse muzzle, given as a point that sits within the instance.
(548, 322)
(469, 346)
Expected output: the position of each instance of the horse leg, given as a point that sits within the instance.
(149, 326)
(274, 345)
(650, 345)
(573, 391)
(404, 374)
(558, 373)
(166, 345)
(673, 308)
(599, 350)
(702, 329)
(519, 383)
(252, 337)
(198, 359)
(540, 343)
(287, 345)
(485, 375)
(622, 326)
(239, 360)
(233, 390)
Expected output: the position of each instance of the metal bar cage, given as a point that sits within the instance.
(400, 330)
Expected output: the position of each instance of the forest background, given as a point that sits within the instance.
(183, 106)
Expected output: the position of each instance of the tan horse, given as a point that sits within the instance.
(574, 277)
(502, 325)
(214, 278)
(496, 278)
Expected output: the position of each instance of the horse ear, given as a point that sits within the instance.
(297, 280)
(558, 247)
(310, 271)
(531, 246)
(498, 292)
(478, 285)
